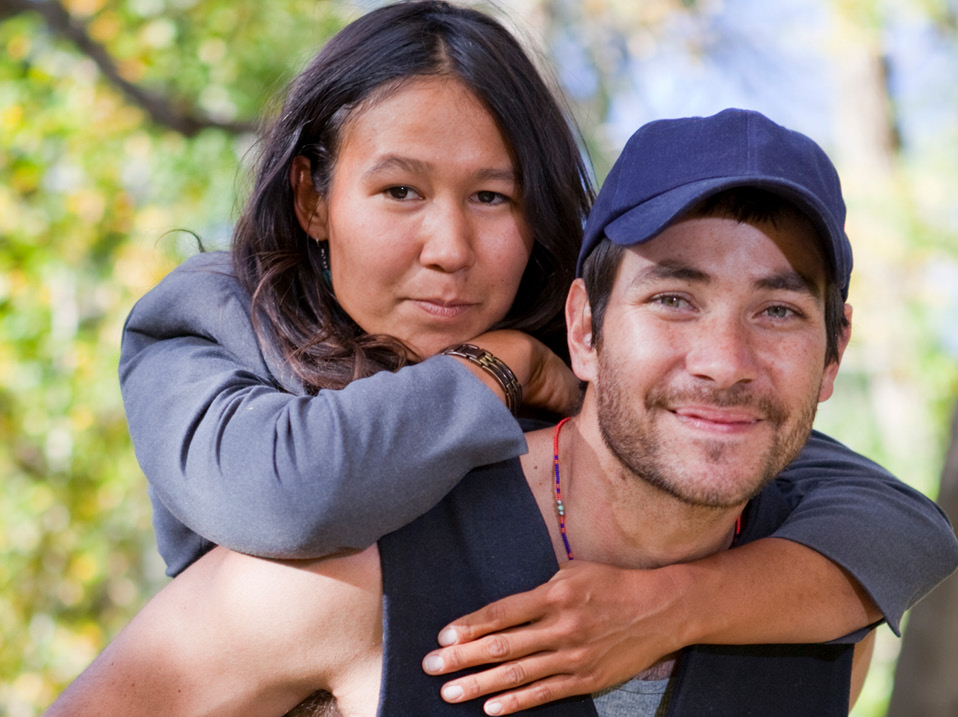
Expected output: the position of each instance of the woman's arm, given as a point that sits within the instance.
(592, 625)
(236, 453)
(893, 541)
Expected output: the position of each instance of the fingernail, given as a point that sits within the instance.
(451, 692)
(433, 663)
(447, 637)
(493, 708)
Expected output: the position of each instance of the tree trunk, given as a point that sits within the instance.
(925, 679)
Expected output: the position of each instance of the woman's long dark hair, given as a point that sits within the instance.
(282, 267)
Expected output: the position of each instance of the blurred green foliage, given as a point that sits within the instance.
(89, 190)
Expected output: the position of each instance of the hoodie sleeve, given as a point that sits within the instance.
(896, 542)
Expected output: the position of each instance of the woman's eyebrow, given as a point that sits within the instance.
(418, 166)
(507, 174)
(395, 161)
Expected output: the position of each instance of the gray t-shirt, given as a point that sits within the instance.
(635, 698)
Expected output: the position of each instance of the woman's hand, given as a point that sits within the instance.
(590, 627)
(547, 382)
(593, 626)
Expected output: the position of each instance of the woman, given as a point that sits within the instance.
(419, 189)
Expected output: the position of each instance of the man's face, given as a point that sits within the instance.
(712, 359)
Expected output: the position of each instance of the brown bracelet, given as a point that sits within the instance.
(495, 367)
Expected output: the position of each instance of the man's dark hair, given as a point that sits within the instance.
(743, 204)
(377, 54)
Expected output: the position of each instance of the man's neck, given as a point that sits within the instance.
(611, 515)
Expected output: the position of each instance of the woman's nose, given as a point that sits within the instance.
(448, 240)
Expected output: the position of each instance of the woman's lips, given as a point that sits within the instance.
(443, 309)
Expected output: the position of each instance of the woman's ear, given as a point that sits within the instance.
(309, 205)
(578, 317)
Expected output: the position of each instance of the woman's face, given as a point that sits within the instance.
(427, 240)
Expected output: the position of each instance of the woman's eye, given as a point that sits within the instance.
(486, 197)
(402, 192)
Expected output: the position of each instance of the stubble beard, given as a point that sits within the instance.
(645, 452)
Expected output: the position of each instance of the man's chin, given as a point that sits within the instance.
(726, 482)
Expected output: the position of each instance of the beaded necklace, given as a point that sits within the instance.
(560, 506)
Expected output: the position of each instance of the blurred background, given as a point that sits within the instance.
(124, 125)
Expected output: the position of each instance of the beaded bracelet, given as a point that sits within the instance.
(495, 367)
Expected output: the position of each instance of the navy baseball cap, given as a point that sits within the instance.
(669, 166)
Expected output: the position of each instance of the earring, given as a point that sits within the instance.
(324, 262)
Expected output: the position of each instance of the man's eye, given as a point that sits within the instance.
(670, 301)
(779, 312)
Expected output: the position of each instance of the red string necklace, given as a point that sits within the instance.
(560, 506)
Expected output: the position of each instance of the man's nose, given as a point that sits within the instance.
(448, 237)
(722, 351)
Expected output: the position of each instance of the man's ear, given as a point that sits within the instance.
(831, 370)
(309, 205)
(578, 318)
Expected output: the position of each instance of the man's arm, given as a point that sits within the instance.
(227, 638)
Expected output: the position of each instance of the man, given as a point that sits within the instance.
(708, 322)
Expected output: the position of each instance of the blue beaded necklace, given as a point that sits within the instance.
(560, 506)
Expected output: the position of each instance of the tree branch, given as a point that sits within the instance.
(160, 109)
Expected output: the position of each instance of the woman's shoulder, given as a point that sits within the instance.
(201, 296)
(208, 272)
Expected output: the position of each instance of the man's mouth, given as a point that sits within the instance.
(728, 420)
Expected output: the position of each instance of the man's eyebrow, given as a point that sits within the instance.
(671, 269)
(790, 281)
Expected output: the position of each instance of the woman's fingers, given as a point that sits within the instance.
(541, 619)
(495, 617)
(552, 385)
(588, 628)
(547, 382)
(532, 681)
(538, 693)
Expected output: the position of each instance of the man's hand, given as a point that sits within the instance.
(590, 627)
